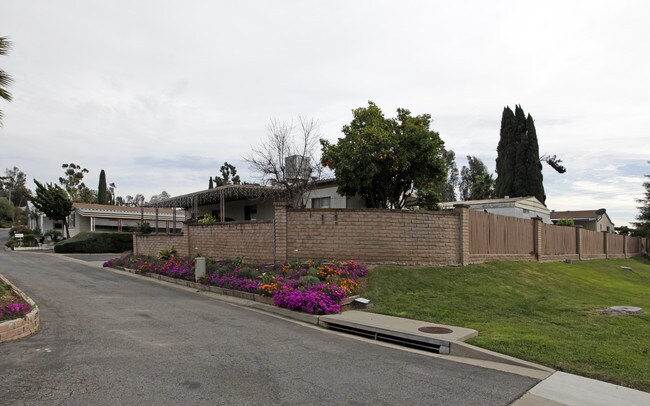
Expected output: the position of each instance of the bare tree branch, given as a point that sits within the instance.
(285, 143)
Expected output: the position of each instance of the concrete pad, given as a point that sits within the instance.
(398, 327)
(570, 390)
(532, 400)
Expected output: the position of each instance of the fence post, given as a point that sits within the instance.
(579, 241)
(625, 237)
(280, 231)
(463, 233)
(537, 235)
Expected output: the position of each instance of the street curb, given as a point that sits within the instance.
(462, 349)
(18, 328)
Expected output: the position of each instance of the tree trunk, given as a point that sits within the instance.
(66, 228)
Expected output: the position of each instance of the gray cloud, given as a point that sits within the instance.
(160, 93)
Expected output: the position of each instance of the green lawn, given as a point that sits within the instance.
(542, 312)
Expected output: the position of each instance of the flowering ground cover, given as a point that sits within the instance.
(316, 287)
(11, 306)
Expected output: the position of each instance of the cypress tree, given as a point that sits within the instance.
(534, 167)
(102, 190)
(505, 167)
(519, 170)
(520, 175)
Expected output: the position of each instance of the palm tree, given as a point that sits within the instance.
(5, 79)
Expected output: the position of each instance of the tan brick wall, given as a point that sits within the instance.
(374, 236)
(252, 239)
(151, 244)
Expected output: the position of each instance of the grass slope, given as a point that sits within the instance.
(542, 312)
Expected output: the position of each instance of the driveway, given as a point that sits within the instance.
(109, 338)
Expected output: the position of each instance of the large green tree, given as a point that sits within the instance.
(643, 223)
(5, 79)
(387, 160)
(518, 166)
(53, 201)
(446, 189)
(72, 182)
(475, 181)
(102, 189)
(228, 175)
(13, 186)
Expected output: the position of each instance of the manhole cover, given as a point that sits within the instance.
(435, 330)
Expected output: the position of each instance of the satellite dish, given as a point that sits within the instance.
(600, 212)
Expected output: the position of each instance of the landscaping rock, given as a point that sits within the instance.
(622, 310)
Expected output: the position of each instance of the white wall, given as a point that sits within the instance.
(516, 212)
(336, 201)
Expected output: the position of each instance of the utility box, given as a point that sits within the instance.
(199, 268)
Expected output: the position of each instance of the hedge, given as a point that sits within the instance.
(96, 242)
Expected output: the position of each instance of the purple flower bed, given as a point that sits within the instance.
(13, 308)
(312, 287)
(174, 267)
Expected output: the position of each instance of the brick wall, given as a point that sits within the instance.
(252, 240)
(374, 236)
(151, 244)
(388, 237)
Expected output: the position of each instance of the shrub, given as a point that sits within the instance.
(208, 219)
(565, 222)
(96, 242)
(11, 243)
(54, 235)
(29, 240)
(142, 228)
(167, 253)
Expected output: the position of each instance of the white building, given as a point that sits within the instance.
(522, 207)
(102, 217)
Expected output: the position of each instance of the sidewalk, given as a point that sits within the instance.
(572, 390)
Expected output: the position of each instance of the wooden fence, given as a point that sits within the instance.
(491, 234)
(559, 240)
(497, 237)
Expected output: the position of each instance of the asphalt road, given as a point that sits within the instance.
(112, 339)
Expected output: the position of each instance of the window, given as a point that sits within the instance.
(321, 202)
(250, 212)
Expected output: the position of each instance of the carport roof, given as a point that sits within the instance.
(214, 196)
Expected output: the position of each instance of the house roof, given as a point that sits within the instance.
(580, 215)
(214, 195)
(125, 212)
(527, 202)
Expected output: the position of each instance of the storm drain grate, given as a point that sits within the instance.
(406, 342)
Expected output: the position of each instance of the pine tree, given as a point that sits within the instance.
(102, 193)
(519, 170)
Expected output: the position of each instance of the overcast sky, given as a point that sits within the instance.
(160, 93)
